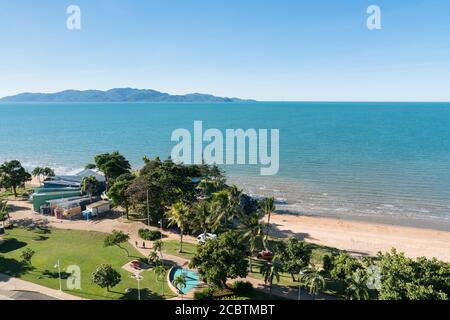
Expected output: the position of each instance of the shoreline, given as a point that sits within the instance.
(364, 238)
(298, 207)
(358, 238)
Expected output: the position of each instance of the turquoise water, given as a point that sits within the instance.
(192, 279)
(365, 160)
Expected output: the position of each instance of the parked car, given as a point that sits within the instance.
(206, 236)
(265, 255)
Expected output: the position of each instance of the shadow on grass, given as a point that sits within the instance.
(13, 268)
(55, 275)
(11, 245)
(146, 294)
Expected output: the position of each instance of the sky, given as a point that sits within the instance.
(278, 50)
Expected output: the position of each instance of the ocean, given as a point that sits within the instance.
(384, 162)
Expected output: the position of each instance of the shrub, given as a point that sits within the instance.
(205, 294)
(242, 287)
(149, 235)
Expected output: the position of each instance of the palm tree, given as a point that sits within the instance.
(272, 271)
(221, 207)
(48, 172)
(157, 247)
(38, 172)
(178, 216)
(267, 207)
(253, 230)
(153, 258)
(90, 185)
(161, 272)
(202, 217)
(313, 280)
(357, 286)
(180, 283)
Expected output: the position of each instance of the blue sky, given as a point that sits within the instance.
(263, 49)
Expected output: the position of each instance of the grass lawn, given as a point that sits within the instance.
(81, 248)
(172, 247)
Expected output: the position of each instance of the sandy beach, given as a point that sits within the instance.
(359, 238)
(364, 238)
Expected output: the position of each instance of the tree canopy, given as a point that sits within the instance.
(13, 175)
(222, 259)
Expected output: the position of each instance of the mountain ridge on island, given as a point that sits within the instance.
(116, 95)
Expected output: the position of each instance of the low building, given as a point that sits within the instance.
(99, 208)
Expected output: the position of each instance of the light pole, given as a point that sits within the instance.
(58, 265)
(148, 209)
(138, 278)
(161, 225)
(299, 285)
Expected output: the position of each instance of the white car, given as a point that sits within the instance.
(206, 236)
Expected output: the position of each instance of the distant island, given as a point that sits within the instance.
(116, 95)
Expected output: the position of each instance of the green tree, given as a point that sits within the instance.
(153, 258)
(267, 207)
(106, 277)
(343, 266)
(202, 217)
(178, 216)
(117, 238)
(295, 256)
(91, 186)
(222, 259)
(272, 271)
(113, 165)
(38, 172)
(158, 248)
(253, 229)
(403, 278)
(117, 193)
(180, 283)
(4, 211)
(90, 166)
(313, 280)
(26, 256)
(13, 175)
(356, 286)
(161, 274)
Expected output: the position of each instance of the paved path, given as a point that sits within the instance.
(17, 289)
(23, 213)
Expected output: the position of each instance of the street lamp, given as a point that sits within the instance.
(138, 278)
(299, 285)
(58, 265)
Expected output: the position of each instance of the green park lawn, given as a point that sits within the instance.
(81, 248)
(172, 247)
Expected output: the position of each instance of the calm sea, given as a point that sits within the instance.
(383, 161)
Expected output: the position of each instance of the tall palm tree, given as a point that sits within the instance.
(158, 247)
(178, 216)
(48, 172)
(161, 272)
(221, 207)
(202, 218)
(38, 172)
(313, 280)
(272, 271)
(90, 185)
(253, 229)
(180, 283)
(267, 207)
(357, 286)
